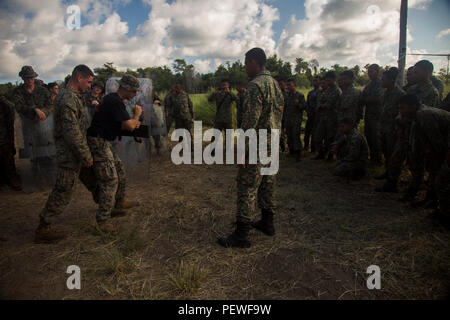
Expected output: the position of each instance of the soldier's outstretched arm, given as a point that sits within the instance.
(72, 134)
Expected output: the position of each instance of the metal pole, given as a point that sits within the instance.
(402, 42)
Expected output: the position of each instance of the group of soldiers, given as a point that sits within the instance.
(407, 126)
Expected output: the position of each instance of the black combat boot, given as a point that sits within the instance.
(238, 239)
(409, 196)
(387, 187)
(45, 234)
(320, 156)
(265, 225)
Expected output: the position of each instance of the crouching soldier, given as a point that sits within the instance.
(351, 150)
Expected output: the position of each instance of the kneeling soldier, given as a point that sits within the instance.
(352, 151)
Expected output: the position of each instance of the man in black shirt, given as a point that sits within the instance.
(108, 121)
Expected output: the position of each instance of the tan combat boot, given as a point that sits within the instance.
(45, 234)
(106, 226)
(125, 204)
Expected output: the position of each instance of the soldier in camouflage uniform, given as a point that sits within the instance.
(352, 151)
(293, 116)
(389, 112)
(311, 105)
(107, 124)
(445, 105)
(72, 151)
(240, 103)
(348, 106)
(53, 88)
(263, 109)
(423, 87)
(8, 171)
(92, 98)
(182, 110)
(371, 100)
(439, 85)
(430, 138)
(326, 128)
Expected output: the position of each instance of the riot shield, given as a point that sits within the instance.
(39, 147)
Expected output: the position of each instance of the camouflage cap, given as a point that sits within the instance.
(129, 82)
(27, 72)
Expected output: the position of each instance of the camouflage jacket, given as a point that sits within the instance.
(239, 108)
(6, 122)
(439, 85)
(348, 106)
(372, 99)
(330, 97)
(294, 105)
(430, 129)
(70, 130)
(224, 103)
(390, 110)
(445, 104)
(181, 106)
(427, 94)
(26, 102)
(263, 105)
(352, 148)
(311, 101)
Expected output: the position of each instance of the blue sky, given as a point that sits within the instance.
(206, 33)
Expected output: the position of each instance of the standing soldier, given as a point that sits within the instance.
(348, 106)
(263, 110)
(109, 120)
(311, 104)
(182, 110)
(423, 87)
(327, 126)
(389, 113)
(92, 98)
(7, 148)
(72, 151)
(53, 88)
(430, 132)
(371, 100)
(240, 103)
(224, 100)
(293, 116)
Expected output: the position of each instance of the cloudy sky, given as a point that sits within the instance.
(206, 33)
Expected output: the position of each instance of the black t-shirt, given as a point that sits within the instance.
(108, 119)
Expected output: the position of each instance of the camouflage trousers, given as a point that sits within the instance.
(324, 134)
(371, 131)
(8, 170)
(309, 130)
(66, 180)
(350, 168)
(443, 189)
(387, 144)
(251, 185)
(110, 175)
(293, 131)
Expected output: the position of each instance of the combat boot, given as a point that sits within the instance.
(106, 226)
(238, 239)
(409, 196)
(387, 187)
(45, 234)
(320, 156)
(265, 225)
(125, 204)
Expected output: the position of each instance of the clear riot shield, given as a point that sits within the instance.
(135, 155)
(39, 147)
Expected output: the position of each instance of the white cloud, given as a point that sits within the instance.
(443, 33)
(345, 32)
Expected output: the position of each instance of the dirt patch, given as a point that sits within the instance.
(328, 232)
